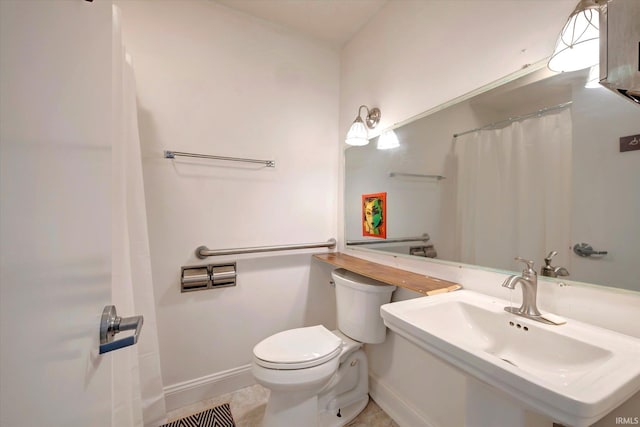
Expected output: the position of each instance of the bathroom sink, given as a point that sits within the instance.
(575, 373)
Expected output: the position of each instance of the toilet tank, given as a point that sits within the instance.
(358, 301)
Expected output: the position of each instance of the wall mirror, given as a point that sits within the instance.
(546, 173)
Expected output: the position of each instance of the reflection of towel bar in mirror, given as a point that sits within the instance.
(424, 238)
(416, 175)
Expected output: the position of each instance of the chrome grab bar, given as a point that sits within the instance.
(424, 238)
(202, 251)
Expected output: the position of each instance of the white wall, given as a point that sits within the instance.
(443, 50)
(214, 81)
(417, 54)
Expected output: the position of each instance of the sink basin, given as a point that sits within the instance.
(575, 373)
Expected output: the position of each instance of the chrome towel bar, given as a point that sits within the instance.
(416, 175)
(172, 155)
(424, 238)
(202, 251)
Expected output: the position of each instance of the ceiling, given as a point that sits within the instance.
(331, 21)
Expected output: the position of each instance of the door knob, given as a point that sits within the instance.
(585, 250)
(111, 324)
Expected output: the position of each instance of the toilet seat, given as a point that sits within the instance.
(298, 348)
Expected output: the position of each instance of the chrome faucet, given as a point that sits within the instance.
(551, 271)
(529, 284)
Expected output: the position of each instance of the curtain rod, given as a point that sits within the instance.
(516, 118)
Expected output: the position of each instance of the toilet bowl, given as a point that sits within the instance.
(318, 377)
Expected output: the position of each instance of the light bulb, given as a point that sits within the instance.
(388, 140)
(578, 46)
(357, 134)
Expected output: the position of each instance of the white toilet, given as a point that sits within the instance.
(317, 377)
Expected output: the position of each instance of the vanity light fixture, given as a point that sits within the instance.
(578, 46)
(388, 140)
(358, 134)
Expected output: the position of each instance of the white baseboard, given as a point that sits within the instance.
(402, 412)
(203, 388)
(189, 392)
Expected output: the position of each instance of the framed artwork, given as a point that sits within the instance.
(374, 215)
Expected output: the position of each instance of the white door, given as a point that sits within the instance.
(55, 228)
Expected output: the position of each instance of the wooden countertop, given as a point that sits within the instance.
(425, 285)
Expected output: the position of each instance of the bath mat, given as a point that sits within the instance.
(220, 416)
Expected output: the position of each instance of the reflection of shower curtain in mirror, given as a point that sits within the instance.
(514, 192)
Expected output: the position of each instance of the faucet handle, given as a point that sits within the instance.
(547, 260)
(529, 268)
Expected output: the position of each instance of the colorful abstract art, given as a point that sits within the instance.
(374, 215)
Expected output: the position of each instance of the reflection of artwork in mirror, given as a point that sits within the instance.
(374, 215)
(532, 166)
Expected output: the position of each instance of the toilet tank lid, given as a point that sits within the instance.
(360, 282)
(298, 345)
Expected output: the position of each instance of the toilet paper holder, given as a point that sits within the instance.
(212, 276)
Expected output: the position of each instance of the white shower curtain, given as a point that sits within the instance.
(514, 192)
(138, 397)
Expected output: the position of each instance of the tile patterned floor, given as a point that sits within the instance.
(372, 416)
(248, 404)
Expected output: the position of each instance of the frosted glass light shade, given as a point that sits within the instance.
(578, 46)
(593, 81)
(388, 140)
(357, 134)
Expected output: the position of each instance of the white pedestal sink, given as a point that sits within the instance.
(574, 373)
